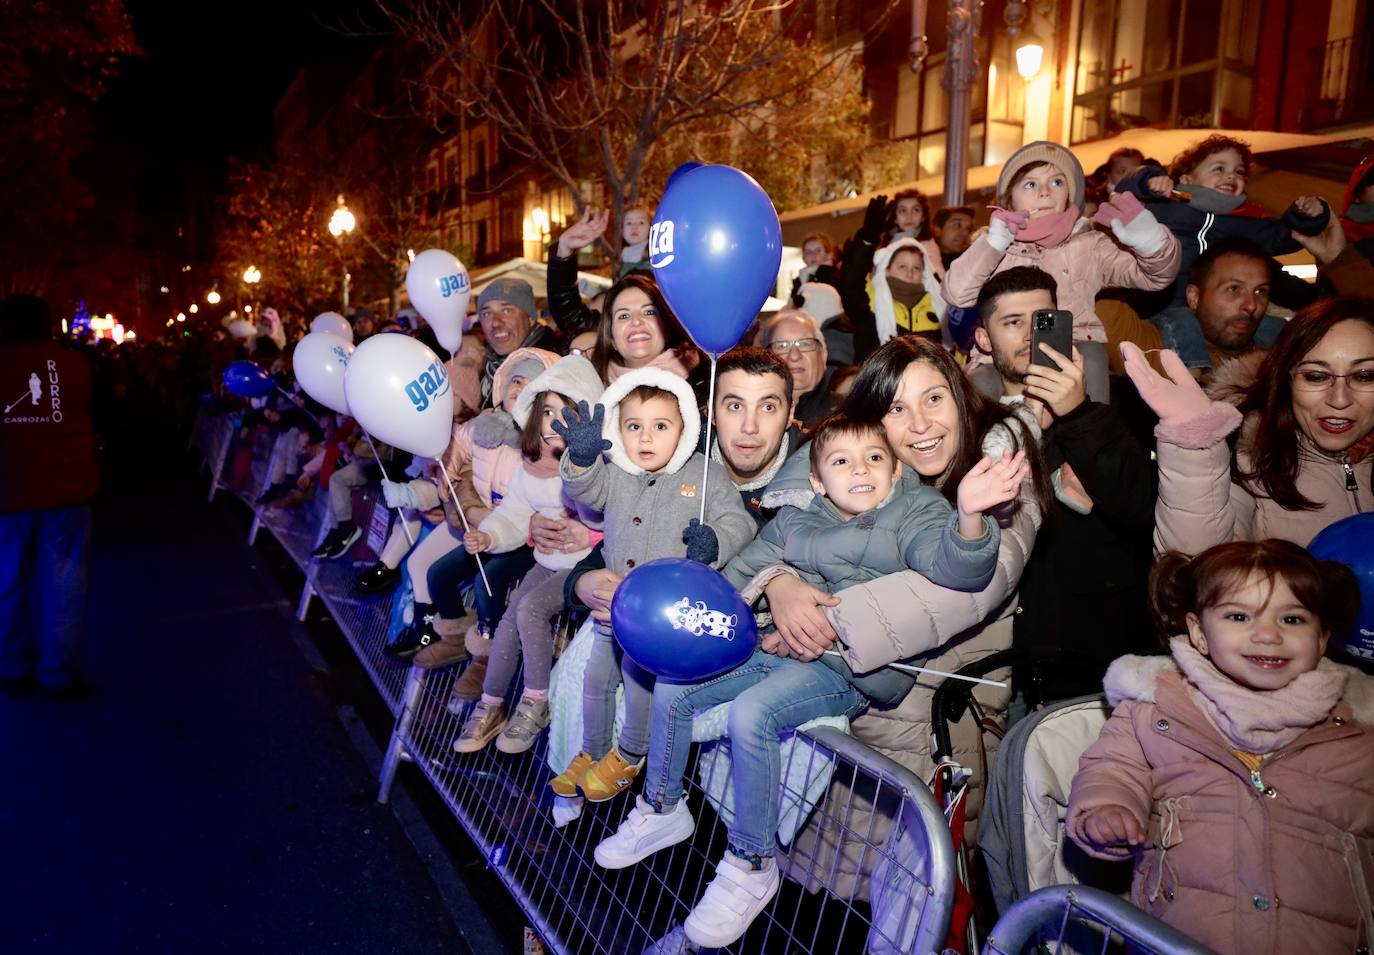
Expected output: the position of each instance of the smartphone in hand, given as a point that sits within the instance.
(1054, 327)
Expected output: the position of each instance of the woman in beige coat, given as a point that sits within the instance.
(1303, 459)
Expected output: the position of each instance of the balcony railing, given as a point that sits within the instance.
(1342, 83)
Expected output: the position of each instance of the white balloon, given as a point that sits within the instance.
(319, 362)
(334, 324)
(400, 392)
(439, 289)
(242, 328)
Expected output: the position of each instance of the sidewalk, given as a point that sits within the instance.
(206, 797)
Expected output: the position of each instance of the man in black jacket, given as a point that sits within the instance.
(1084, 587)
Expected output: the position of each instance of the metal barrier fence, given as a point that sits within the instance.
(874, 817)
(1075, 918)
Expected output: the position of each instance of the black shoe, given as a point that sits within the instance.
(339, 540)
(420, 635)
(377, 579)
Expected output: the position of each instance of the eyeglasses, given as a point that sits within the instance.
(804, 345)
(1312, 379)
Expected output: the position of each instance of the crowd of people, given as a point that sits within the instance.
(894, 475)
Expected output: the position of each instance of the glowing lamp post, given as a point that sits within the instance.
(342, 223)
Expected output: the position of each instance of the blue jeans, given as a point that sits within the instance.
(449, 573)
(1183, 334)
(44, 564)
(608, 667)
(768, 696)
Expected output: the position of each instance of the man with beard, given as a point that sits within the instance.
(1228, 291)
(1083, 590)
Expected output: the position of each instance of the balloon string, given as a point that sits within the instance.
(405, 526)
(293, 401)
(944, 673)
(459, 504)
(710, 418)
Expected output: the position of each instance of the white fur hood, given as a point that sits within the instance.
(572, 376)
(687, 406)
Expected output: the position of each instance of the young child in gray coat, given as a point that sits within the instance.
(649, 493)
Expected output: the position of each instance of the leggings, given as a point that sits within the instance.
(456, 568)
(526, 629)
(438, 544)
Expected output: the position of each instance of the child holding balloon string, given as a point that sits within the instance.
(862, 524)
(649, 490)
(526, 629)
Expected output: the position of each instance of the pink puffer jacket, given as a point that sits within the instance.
(1087, 263)
(1268, 867)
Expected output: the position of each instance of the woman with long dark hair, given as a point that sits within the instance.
(1306, 418)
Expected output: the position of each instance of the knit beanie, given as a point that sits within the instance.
(1035, 153)
(527, 368)
(515, 291)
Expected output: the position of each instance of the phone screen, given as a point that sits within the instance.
(1054, 327)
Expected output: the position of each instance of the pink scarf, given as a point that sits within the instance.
(680, 361)
(1259, 721)
(1050, 231)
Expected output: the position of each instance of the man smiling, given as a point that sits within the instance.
(507, 312)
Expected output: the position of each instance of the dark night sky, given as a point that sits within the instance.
(205, 90)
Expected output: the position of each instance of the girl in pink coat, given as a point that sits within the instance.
(1239, 770)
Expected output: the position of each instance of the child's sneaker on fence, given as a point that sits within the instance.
(732, 901)
(526, 723)
(468, 686)
(643, 833)
(565, 783)
(448, 649)
(338, 541)
(481, 727)
(610, 777)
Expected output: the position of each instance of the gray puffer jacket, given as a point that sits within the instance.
(645, 514)
(916, 529)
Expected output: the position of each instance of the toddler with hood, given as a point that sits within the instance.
(526, 627)
(1041, 224)
(1201, 200)
(1237, 771)
(891, 288)
(648, 492)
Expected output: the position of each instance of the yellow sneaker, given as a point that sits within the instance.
(611, 776)
(565, 783)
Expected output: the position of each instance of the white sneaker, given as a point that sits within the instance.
(732, 901)
(643, 833)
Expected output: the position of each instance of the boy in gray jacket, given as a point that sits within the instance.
(649, 494)
(862, 524)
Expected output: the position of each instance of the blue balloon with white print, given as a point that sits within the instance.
(247, 380)
(715, 246)
(682, 621)
(1351, 542)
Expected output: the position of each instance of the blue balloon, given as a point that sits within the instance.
(681, 620)
(715, 246)
(247, 380)
(1351, 542)
(681, 171)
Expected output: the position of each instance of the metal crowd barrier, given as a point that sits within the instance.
(1077, 918)
(885, 819)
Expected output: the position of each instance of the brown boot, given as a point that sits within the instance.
(450, 648)
(468, 687)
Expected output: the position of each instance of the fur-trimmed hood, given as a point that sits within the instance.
(501, 379)
(572, 376)
(664, 381)
(1135, 678)
(1232, 379)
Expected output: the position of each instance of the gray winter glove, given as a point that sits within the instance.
(398, 495)
(701, 541)
(494, 428)
(581, 431)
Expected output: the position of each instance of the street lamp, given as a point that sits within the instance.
(212, 296)
(342, 223)
(252, 275)
(194, 308)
